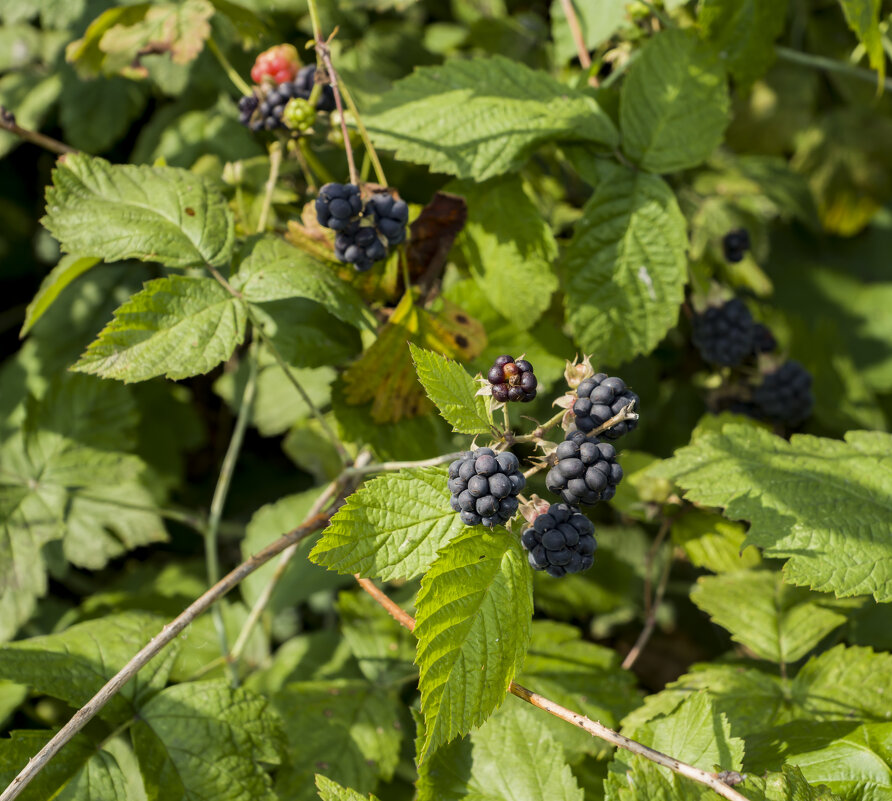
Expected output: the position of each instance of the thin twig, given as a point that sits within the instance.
(221, 491)
(8, 123)
(540, 431)
(830, 65)
(364, 135)
(275, 162)
(233, 76)
(154, 647)
(576, 32)
(594, 728)
(382, 467)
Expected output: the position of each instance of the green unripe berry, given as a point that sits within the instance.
(299, 115)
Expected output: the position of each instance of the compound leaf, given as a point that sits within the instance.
(481, 117)
(176, 326)
(452, 390)
(392, 527)
(473, 627)
(674, 103)
(625, 268)
(824, 504)
(124, 211)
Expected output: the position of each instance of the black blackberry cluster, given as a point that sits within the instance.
(338, 205)
(360, 246)
(484, 486)
(586, 470)
(735, 244)
(598, 399)
(724, 334)
(390, 216)
(512, 380)
(560, 541)
(784, 396)
(265, 113)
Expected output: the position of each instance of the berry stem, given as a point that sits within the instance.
(576, 32)
(364, 135)
(830, 65)
(538, 433)
(304, 165)
(275, 162)
(230, 71)
(383, 467)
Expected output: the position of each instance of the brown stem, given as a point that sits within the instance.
(325, 55)
(8, 123)
(594, 728)
(576, 31)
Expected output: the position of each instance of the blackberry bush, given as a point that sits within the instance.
(512, 380)
(598, 399)
(560, 541)
(724, 334)
(484, 486)
(586, 470)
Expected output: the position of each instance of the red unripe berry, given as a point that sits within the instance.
(510, 370)
(280, 63)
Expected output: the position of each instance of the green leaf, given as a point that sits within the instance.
(511, 756)
(149, 213)
(771, 618)
(95, 114)
(453, 392)
(597, 23)
(392, 527)
(789, 785)
(81, 771)
(271, 269)
(712, 542)
(74, 664)
(332, 791)
(694, 733)
(674, 103)
(625, 268)
(580, 675)
(351, 730)
(177, 327)
(68, 268)
(510, 255)
(863, 17)
(204, 739)
(824, 504)
(478, 118)
(743, 33)
(473, 627)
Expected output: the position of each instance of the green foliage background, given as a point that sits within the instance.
(596, 203)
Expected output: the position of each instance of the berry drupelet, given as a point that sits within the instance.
(512, 380)
(484, 486)
(598, 399)
(360, 246)
(338, 205)
(724, 334)
(586, 470)
(390, 216)
(560, 541)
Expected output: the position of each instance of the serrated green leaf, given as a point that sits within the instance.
(771, 618)
(68, 268)
(478, 118)
(81, 771)
(674, 103)
(271, 269)
(824, 504)
(453, 391)
(597, 22)
(625, 268)
(863, 17)
(743, 33)
(177, 327)
(74, 664)
(351, 730)
(789, 785)
(332, 791)
(712, 542)
(392, 527)
(511, 756)
(160, 214)
(510, 256)
(473, 627)
(204, 739)
(580, 675)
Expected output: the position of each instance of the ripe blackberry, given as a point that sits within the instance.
(724, 334)
(512, 380)
(784, 396)
(560, 541)
(586, 470)
(484, 486)
(360, 246)
(598, 399)
(390, 216)
(247, 105)
(279, 63)
(305, 80)
(735, 243)
(338, 205)
(763, 339)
